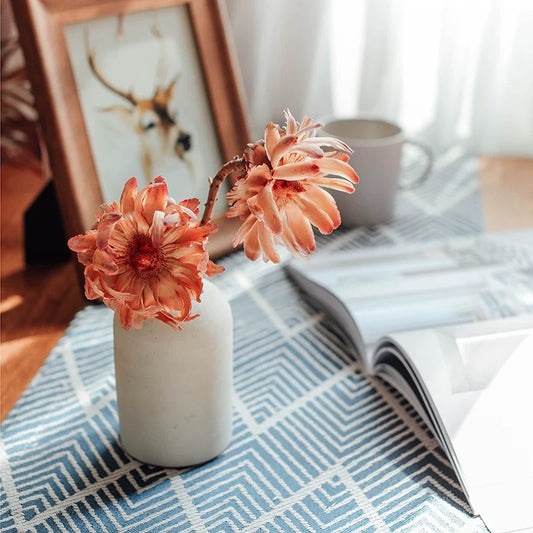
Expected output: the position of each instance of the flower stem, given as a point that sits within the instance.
(236, 165)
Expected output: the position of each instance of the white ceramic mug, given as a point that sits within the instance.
(377, 147)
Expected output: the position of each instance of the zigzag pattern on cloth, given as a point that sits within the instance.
(317, 446)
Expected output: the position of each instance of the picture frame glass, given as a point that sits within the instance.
(143, 98)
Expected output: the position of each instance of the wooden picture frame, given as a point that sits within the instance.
(43, 28)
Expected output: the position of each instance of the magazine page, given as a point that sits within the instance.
(334, 306)
(408, 287)
(473, 384)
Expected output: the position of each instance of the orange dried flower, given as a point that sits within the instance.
(281, 197)
(146, 257)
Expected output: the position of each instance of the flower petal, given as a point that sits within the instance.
(266, 244)
(297, 171)
(320, 208)
(281, 148)
(191, 204)
(124, 314)
(162, 292)
(271, 215)
(105, 227)
(341, 156)
(85, 258)
(307, 129)
(255, 154)
(301, 229)
(289, 241)
(172, 321)
(331, 142)
(83, 243)
(291, 124)
(251, 243)
(157, 228)
(307, 121)
(272, 136)
(104, 262)
(92, 284)
(213, 269)
(243, 230)
(127, 199)
(137, 320)
(306, 148)
(172, 219)
(339, 184)
(255, 209)
(257, 178)
(154, 199)
(329, 165)
(119, 295)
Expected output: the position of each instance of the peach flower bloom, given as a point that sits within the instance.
(281, 196)
(146, 258)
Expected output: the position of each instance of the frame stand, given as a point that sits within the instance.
(45, 241)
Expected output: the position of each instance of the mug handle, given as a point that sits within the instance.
(427, 170)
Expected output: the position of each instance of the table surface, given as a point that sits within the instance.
(300, 451)
(38, 303)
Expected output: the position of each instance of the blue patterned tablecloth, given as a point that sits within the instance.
(317, 446)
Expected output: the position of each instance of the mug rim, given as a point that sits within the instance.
(397, 136)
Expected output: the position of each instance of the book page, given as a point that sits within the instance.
(476, 382)
(408, 287)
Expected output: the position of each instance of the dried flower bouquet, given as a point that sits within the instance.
(146, 256)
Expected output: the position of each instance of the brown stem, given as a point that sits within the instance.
(236, 165)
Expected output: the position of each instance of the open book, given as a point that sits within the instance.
(449, 324)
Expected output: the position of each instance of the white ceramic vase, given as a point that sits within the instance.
(174, 388)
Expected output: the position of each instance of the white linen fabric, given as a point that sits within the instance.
(449, 71)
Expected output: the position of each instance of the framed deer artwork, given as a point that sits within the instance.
(132, 88)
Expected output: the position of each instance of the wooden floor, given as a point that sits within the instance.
(37, 303)
(506, 192)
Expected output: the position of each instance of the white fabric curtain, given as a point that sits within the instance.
(449, 71)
